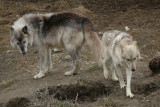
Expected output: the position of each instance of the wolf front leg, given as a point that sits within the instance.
(128, 88)
(121, 80)
(48, 66)
(49, 61)
(44, 52)
(76, 62)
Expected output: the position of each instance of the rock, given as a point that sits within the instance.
(127, 28)
(55, 50)
(8, 51)
(154, 65)
(68, 57)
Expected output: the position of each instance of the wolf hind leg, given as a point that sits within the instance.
(105, 70)
(48, 66)
(76, 60)
(114, 77)
(75, 68)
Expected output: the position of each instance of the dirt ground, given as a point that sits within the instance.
(88, 88)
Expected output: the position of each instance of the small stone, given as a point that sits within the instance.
(68, 57)
(55, 50)
(8, 51)
(127, 28)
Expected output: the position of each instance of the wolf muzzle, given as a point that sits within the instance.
(22, 49)
(133, 70)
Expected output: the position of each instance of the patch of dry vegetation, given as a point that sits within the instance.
(81, 9)
(6, 84)
(107, 102)
(93, 68)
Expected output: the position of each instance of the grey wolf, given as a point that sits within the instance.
(121, 49)
(66, 30)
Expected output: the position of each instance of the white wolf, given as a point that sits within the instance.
(121, 49)
(62, 30)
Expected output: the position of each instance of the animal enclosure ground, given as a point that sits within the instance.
(88, 88)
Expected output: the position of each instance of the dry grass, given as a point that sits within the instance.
(107, 102)
(81, 9)
(43, 99)
(93, 68)
(6, 84)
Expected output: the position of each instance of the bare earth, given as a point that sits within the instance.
(17, 71)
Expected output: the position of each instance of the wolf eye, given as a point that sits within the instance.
(128, 59)
(24, 42)
(18, 43)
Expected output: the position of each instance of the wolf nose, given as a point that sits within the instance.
(133, 70)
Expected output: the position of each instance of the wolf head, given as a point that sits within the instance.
(131, 55)
(20, 38)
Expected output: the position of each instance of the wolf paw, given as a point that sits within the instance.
(122, 86)
(68, 73)
(130, 95)
(39, 75)
(114, 78)
(105, 76)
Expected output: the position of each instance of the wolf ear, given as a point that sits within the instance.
(11, 31)
(134, 43)
(12, 42)
(25, 30)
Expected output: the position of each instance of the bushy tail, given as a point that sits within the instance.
(92, 40)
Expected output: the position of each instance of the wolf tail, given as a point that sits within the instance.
(92, 39)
